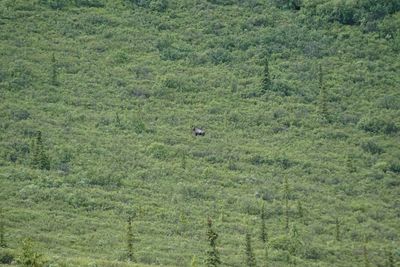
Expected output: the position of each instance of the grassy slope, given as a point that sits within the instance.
(162, 72)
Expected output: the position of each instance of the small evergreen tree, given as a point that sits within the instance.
(263, 232)
(266, 81)
(212, 259)
(286, 198)
(129, 240)
(266, 256)
(323, 97)
(3, 243)
(54, 71)
(250, 259)
(40, 159)
(337, 228)
(365, 254)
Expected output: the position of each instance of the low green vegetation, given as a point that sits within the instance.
(299, 165)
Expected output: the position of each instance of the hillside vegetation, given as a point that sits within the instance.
(300, 101)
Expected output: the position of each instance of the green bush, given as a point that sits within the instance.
(6, 256)
(377, 125)
(371, 147)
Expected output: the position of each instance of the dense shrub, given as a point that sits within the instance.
(377, 125)
(371, 147)
(6, 256)
(352, 12)
(395, 167)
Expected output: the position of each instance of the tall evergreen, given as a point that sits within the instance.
(2, 231)
(250, 259)
(365, 254)
(213, 258)
(337, 228)
(54, 71)
(129, 240)
(323, 97)
(263, 232)
(390, 261)
(286, 199)
(266, 256)
(266, 81)
(39, 159)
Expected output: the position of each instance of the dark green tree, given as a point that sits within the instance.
(213, 258)
(3, 243)
(54, 71)
(266, 81)
(390, 260)
(129, 239)
(212, 253)
(40, 159)
(263, 231)
(323, 96)
(250, 259)
(365, 254)
(266, 256)
(286, 199)
(337, 228)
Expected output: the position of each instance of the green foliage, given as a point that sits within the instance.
(29, 257)
(133, 76)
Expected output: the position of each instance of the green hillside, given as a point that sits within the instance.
(300, 101)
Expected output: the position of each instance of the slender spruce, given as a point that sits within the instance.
(39, 160)
(266, 81)
(250, 258)
(129, 240)
(213, 258)
(3, 243)
(54, 71)
(323, 97)
(337, 228)
(263, 231)
(365, 254)
(286, 199)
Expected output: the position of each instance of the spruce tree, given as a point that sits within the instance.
(337, 228)
(286, 198)
(365, 254)
(212, 259)
(390, 261)
(263, 232)
(250, 259)
(266, 256)
(54, 71)
(266, 81)
(40, 159)
(323, 97)
(2, 231)
(129, 240)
